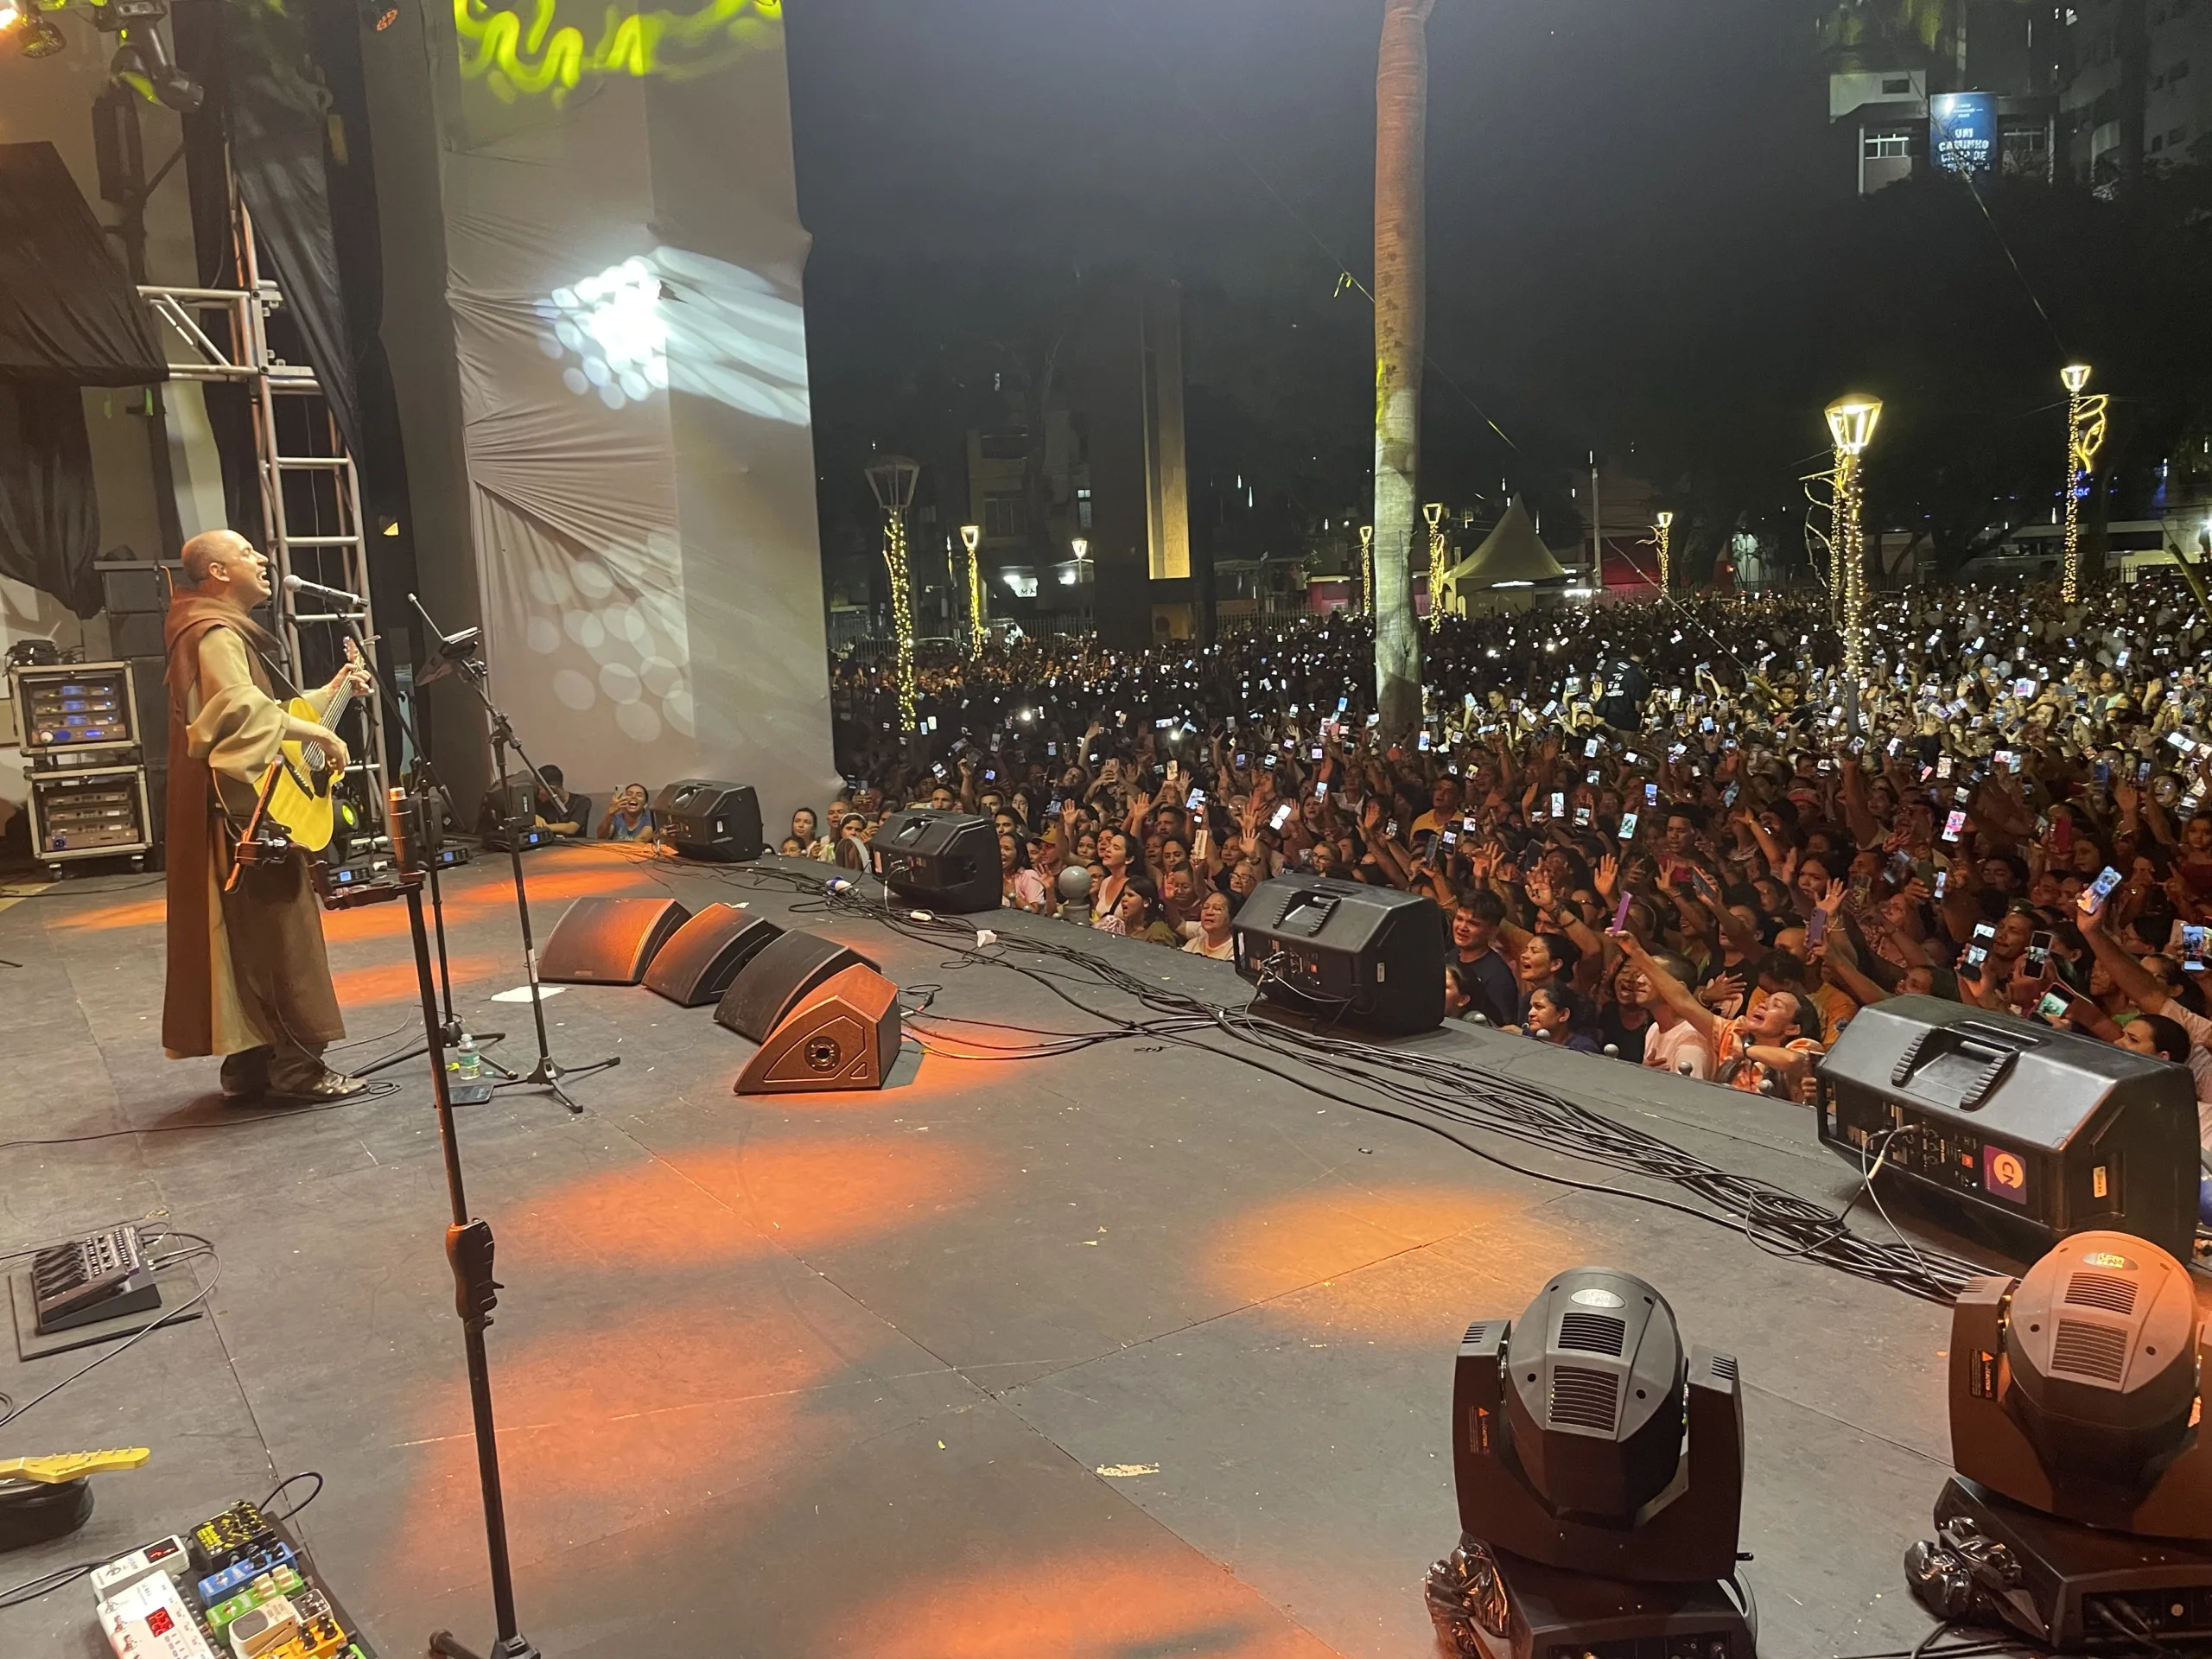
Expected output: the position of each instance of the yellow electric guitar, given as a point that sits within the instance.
(73, 1466)
(300, 780)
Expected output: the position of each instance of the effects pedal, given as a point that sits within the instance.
(280, 1581)
(169, 1556)
(226, 1583)
(263, 1629)
(99, 1277)
(150, 1621)
(239, 1534)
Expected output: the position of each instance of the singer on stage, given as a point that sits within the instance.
(248, 978)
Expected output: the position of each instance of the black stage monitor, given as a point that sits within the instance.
(947, 860)
(2014, 1132)
(715, 822)
(1371, 956)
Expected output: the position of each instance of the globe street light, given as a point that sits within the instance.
(2085, 435)
(1850, 425)
(977, 611)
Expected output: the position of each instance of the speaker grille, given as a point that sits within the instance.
(2095, 1351)
(1474, 1335)
(1583, 1399)
(1593, 1334)
(2104, 1290)
(1723, 1367)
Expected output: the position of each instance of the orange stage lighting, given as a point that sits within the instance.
(1361, 1253)
(366, 988)
(1082, 1604)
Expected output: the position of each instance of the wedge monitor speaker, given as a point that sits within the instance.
(609, 941)
(696, 966)
(702, 818)
(778, 979)
(843, 1035)
(1366, 956)
(948, 860)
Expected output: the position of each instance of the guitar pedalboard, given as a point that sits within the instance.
(234, 1587)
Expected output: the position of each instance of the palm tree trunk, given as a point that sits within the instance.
(1401, 331)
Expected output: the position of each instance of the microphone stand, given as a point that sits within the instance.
(468, 1240)
(459, 650)
(450, 1029)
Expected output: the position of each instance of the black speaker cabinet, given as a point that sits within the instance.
(843, 1034)
(777, 978)
(1370, 957)
(696, 966)
(703, 819)
(2012, 1131)
(609, 941)
(948, 860)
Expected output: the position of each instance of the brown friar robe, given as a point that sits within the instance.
(246, 968)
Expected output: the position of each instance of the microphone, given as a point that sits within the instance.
(297, 584)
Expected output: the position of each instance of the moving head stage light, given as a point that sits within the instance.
(1599, 1473)
(2081, 1510)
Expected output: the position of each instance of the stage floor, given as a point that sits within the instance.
(1134, 1351)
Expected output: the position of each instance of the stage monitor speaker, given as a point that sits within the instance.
(703, 819)
(778, 979)
(696, 966)
(843, 1036)
(609, 941)
(1371, 956)
(2011, 1131)
(948, 860)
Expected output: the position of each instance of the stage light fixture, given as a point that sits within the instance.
(27, 31)
(378, 15)
(2081, 1508)
(1598, 1468)
(142, 61)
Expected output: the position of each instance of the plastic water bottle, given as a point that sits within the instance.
(467, 1063)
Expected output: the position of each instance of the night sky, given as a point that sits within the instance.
(1585, 157)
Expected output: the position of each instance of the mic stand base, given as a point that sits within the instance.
(451, 1030)
(548, 1075)
(513, 1647)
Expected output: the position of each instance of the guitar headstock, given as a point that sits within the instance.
(73, 1466)
(353, 654)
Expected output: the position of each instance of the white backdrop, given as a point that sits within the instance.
(624, 281)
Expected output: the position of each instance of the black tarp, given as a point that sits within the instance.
(69, 317)
(67, 310)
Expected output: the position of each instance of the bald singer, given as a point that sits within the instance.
(248, 976)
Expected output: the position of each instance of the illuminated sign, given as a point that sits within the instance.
(514, 59)
(2004, 1175)
(1962, 133)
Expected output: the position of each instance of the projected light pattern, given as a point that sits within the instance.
(515, 60)
(612, 323)
(675, 319)
(619, 641)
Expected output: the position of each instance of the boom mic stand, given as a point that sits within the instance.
(468, 1240)
(468, 665)
(450, 1028)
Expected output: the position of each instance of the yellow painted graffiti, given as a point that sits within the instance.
(514, 59)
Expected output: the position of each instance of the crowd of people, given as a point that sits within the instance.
(1665, 832)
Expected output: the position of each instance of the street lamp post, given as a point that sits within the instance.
(1663, 528)
(892, 478)
(2085, 435)
(978, 611)
(1850, 425)
(1081, 548)
(1434, 514)
(1367, 569)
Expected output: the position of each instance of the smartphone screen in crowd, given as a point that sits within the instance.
(1955, 824)
(2038, 951)
(2053, 1006)
(2094, 896)
(1559, 803)
(1816, 929)
(1628, 826)
(1620, 910)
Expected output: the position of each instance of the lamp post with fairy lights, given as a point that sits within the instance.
(978, 612)
(892, 478)
(2085, 435)
(1434, 514)
(1081, 548)
(1663, 536)
(1367, 569)
(1851, 424)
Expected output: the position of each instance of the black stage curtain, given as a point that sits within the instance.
(68, 318)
